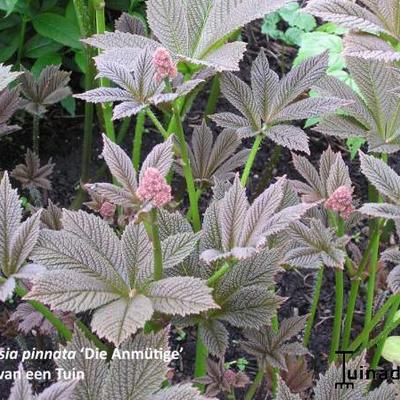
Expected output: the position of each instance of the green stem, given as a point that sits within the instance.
(372, 279)
(355, 286)
(213, 97)
(21, 41)
(386, 331)
(123, 130)
(266, 176)
(371, 325)
(338, 314)
(157, 123)
(84, 15)
(187, 170)
(250, 160)
(99, 6)
(314, 306)
(137, 144)
(36, 133)
(251, 392)
(339, 283)
(351, 306)
(62, 330)
(158, 263)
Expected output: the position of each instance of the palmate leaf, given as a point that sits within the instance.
(91, 268)
(374, 116)
(49, 88)
(137, 81)
(244, 297)
(233, 228)
(196, 32)
(269, 104)
(214, 160)
(269, 347)
(314, 246)
(32, 174)
(221, 379)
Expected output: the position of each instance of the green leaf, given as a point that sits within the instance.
(70, 13)
(288, 12)
(39, 46)
(269, 26)
(354, 144)
(42, 62)
(9, 22)
(69, 104)
(58, 28)
(80, 59)
(8, 6)
(119, 5)
(315, 43)
(306, 22)
(8, 50)
(391, 349)
(303, 21)
(293, 36)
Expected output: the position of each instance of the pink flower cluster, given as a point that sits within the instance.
(164, 65)
(341, 201)
(154, 188)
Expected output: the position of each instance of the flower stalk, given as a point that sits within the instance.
(314, 306)
(158, 265)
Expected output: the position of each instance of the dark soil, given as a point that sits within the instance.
(61, 138)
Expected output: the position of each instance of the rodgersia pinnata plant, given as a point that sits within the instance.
(176, 239)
